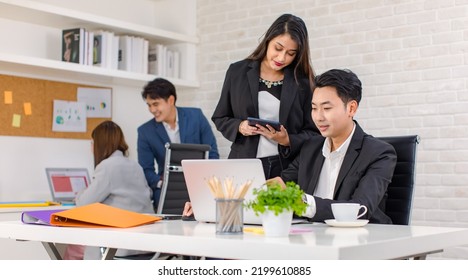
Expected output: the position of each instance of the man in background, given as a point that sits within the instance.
(171, 124)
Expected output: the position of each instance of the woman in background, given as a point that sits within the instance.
(274, 83)
(117, 181)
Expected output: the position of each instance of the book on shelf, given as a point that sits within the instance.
(97, 48)
(73, 45)
(144, 56)
(163, 61)
(125, 53)
(107, 50)
(152, 60)
(114, 59)
(90, 48)
(176, 64)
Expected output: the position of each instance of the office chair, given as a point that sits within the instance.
(174, 192)
(400, 190)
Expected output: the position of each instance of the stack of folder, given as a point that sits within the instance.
(92, 215)
(28, 204)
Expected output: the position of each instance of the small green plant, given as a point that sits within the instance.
(277, 199)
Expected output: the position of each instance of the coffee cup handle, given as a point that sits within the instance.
(363, 213)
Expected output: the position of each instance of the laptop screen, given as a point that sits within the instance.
(65, 183)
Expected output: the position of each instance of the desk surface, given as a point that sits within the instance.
(199, 239)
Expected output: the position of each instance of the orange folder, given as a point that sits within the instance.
(100, 215)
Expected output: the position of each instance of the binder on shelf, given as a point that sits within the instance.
(90, 216)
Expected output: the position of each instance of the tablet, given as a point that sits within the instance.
(253, 121)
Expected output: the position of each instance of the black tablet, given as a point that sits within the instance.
(253, 121)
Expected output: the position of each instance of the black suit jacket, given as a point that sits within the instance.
(364, 176)
(239, 100)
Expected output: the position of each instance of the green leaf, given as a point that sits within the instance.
(274, 198)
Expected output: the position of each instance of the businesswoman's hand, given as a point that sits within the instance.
(282, 136)
(246, 129)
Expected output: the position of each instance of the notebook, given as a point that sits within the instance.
(196, 172)
(65, 183)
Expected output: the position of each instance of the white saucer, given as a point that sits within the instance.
(357, 223)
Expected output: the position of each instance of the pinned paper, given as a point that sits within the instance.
(8, 97)
(69, 116)
(16, 120)
(27, 108)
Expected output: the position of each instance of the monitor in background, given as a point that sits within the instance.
(65, 183)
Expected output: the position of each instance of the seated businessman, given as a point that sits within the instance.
(344, 164)
(171, 124)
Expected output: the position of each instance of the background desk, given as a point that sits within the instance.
(199, 239)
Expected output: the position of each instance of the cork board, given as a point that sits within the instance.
(26, 107)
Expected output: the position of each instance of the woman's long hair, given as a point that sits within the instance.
(296, 28)
(108, 138)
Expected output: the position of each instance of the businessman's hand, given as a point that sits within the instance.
(276, 180)
(187, 209)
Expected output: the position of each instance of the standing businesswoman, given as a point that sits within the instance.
(274, 83)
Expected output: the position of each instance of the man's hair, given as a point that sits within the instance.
(347, 84)
(159, 88)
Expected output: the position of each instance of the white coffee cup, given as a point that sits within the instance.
(347, 212)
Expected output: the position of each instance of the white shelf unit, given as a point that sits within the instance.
(33, 47)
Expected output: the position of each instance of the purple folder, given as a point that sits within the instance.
(38, 217)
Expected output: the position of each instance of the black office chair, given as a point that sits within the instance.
(174, 192)
(400, 190)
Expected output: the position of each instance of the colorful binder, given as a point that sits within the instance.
(92, 215)
(28, 204)
(38, 217)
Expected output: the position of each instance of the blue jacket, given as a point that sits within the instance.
(194, 129)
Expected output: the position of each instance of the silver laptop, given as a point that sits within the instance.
(65, 183)
(196, 173)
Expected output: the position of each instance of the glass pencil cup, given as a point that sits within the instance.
(229, 216)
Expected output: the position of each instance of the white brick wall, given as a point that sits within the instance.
(412, 57)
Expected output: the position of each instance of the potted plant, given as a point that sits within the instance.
(276, 204)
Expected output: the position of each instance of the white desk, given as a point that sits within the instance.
(10, 249)
(199, 239)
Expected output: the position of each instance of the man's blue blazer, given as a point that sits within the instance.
(194, 129)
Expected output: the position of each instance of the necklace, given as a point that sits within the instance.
(270, 83)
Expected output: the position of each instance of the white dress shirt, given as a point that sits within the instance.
(268, 108)
(174, 134)
(329, 173)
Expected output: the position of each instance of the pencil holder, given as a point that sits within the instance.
(229, 216)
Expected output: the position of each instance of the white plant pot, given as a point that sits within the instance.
(277, 225)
